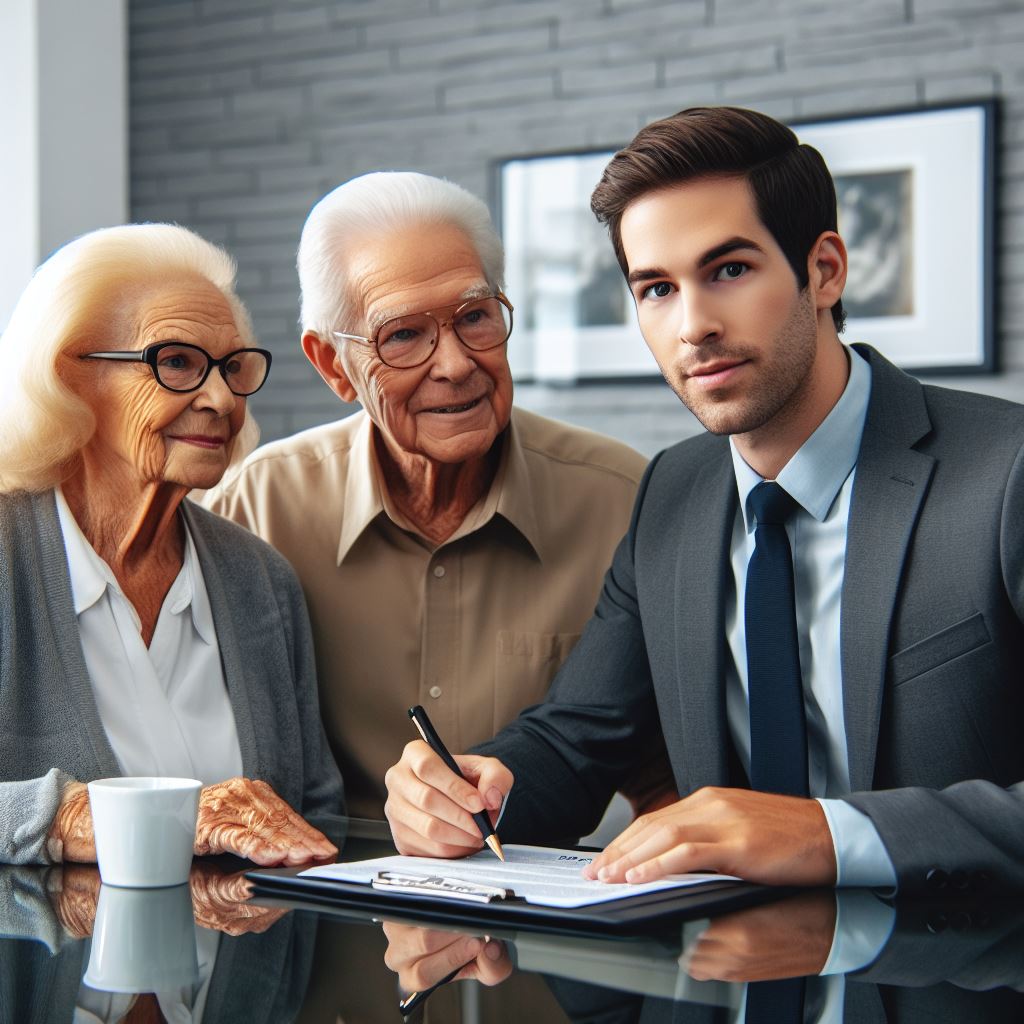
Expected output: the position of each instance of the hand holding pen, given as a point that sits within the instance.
(425, 959)
(426, 729)
(430, 805)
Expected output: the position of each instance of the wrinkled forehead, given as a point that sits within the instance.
(138, 311)
(420, 267)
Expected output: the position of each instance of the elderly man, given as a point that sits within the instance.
(450, 546)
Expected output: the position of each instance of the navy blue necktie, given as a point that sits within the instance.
(778, 728)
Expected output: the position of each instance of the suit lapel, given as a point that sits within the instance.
(890, 484)
(702, 581)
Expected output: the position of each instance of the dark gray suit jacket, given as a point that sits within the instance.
(932, 642)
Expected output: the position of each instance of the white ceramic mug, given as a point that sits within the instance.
(144, 940)
(145, 829)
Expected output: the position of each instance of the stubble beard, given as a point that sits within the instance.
(777, 388)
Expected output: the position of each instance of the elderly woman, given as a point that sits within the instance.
(140, 634)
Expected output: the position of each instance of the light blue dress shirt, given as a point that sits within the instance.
(820, 479)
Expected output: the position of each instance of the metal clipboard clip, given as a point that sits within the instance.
(439, 885)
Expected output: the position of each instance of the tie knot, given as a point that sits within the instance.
(770, 504)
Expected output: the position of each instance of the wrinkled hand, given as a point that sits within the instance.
(246, 817)
(75, 898)
(70, 837)
(421, 957)
(779, 940)
(761, 837)
(220, 901)
(430, 808)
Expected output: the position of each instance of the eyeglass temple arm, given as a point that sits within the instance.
(125, 357)
(353, 337)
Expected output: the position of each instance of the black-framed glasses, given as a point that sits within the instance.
(405, 341)
(178, 366)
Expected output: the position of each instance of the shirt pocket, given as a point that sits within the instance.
(525, 665)
(938, 649)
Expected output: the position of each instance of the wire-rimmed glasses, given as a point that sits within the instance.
(409, 340)
(179, 366)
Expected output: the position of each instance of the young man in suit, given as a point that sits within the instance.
(820, 599)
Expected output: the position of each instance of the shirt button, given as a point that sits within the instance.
(438, 571)
(435, 692)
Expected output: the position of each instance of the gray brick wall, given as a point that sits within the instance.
(243, 112)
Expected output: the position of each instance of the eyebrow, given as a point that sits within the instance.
(381, 317)
(737, 242)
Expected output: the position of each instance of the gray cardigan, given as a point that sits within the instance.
(50, 727)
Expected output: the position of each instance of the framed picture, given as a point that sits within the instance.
(916, 196)
(916, 209)
(574, 316)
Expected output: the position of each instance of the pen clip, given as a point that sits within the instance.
(439, 885)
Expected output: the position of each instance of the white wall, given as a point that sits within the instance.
(19, 226)
(63, 129)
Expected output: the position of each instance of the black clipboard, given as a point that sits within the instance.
(644, 913)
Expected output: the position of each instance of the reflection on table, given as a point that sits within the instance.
(72, 949)
(75, 951)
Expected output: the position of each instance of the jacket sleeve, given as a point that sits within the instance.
(27, 809)
(597, 723)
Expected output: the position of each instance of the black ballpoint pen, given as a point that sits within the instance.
(415, 999)
(422, 722)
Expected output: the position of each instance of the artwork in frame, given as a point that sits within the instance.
(915, 194)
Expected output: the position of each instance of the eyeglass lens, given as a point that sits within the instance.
(182, 367)
(408, 340)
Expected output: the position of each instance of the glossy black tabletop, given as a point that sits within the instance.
(75, 951)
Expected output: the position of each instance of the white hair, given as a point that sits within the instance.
(43, 424)
(375, 204)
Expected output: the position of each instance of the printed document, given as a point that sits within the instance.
(540, 875)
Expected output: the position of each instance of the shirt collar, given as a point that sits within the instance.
(510, 494)
(819, 468)
(363, 501)
(90, 576)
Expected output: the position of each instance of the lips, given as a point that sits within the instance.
(717, 367)
(715, 375)
(200, 440)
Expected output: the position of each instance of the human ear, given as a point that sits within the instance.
(325, 359)
(826, 269)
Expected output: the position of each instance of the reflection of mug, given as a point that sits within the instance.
(144, 940)
(145, 829)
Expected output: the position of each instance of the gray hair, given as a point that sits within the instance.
(43, 423)
(373, 204)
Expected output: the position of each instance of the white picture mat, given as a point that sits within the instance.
(551, 239)
(943, 149)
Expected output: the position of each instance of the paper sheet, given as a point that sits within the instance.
(543, 876)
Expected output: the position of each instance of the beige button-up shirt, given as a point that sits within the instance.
(473, 629)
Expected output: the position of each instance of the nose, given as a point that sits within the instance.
(451, 359)
(215, 395)
(699, 320)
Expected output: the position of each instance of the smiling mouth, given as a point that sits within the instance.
(449, 409)
(199, 441)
